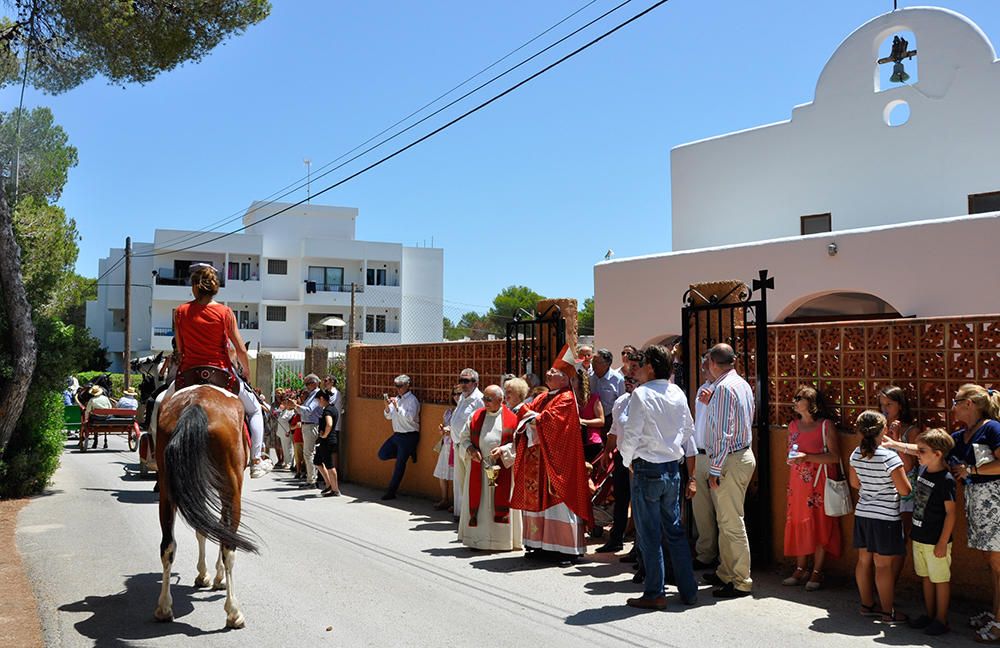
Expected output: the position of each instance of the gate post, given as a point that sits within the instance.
(265, 374)
(568, 311)
(315, 360)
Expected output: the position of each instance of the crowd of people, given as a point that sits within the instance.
(521, 466)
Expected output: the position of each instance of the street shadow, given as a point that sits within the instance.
(605, 614)
(130, 496)
(434, 526)
(461, 551)
(512, 564)
(117, 620)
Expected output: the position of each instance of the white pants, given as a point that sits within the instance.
(251, 408)
(287, 451)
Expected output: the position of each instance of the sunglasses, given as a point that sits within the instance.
(796, 399)
(466, 381)
(488, 399)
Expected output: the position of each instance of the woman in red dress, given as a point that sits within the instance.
(809, 531)
(204, 329)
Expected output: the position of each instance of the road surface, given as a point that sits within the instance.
(354, 571)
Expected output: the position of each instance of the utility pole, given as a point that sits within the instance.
(350, 326)
(128, 309)
(308, 164)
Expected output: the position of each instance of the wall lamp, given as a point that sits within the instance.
(831, 249)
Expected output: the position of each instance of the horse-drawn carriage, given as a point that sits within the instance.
(110, 421)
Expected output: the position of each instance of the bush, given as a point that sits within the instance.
(35, 447)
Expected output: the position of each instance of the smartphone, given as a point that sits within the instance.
(385, 396)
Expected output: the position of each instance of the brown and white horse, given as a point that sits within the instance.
(201, 452)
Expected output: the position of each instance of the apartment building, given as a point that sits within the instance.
(282, 277)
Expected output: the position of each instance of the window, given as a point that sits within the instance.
(375, 324)
(984, 202)
(376, 277)
(326, 278)
(815, 224)
(276, 313)
(277, 266)
(233, 271)
(321, 332)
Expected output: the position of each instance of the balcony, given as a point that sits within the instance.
(238, 290)
(327, 294)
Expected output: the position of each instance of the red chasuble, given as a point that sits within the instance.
(501, 492)
(552, 471)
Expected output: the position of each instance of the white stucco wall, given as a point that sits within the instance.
(837, 154)
(422, 287)
(931, 268)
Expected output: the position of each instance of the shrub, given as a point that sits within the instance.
(35, 447)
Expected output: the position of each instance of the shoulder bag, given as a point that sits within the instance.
(836, 492)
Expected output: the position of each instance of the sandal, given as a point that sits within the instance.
(989, 633)
(872, 610)
(797, 578)
(981, 619)
(815, 581)
(895, 618)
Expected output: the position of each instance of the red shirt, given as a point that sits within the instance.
(203, 332)
(296, 431)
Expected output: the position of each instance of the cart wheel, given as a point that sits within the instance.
(133, 439)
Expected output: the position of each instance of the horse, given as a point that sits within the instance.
(201, 454)
(149, 367)
(83, 397)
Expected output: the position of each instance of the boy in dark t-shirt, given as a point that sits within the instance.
(933, 521)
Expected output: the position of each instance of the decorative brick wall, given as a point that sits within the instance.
(433, 368)
(851, 361)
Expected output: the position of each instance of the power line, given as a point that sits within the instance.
(434, 132)
(296, 186)
(111, 269)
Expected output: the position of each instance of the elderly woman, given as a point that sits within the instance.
(515, 391)
(975, 460)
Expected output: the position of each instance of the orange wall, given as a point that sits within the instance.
(367, 430)
(969, 573)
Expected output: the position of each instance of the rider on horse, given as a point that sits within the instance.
(204, 328)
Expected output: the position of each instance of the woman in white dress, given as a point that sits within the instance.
(444, 469)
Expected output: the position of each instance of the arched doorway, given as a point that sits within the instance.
(840, 306)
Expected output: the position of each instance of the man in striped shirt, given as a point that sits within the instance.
(730, 412)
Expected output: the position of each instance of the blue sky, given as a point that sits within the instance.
(532, 190)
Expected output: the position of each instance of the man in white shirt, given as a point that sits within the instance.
(471, 400)
(706, 548)
(403, 410)
(657, 436)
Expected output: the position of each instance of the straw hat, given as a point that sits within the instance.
(96, 390)
(129, 392)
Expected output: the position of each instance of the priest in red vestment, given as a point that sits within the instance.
(550, 478)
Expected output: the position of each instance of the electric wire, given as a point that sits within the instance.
(434, 132)
(302, 182)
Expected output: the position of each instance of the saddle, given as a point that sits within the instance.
(207, 376)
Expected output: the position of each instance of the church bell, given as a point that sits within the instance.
(899, 74)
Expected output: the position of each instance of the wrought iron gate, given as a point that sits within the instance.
(740, 321)
(533, 343)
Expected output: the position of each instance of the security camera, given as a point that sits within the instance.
(831, 249)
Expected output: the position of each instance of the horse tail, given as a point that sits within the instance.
(196, 483)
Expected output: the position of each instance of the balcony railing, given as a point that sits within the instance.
(313, 286)
(392, 283)
(248, 326)
(185, 281)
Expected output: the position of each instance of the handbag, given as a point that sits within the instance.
(836, 492)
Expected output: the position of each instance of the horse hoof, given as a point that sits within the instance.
(201, 581)
(219, 585)
(236, 622)
(163, 615)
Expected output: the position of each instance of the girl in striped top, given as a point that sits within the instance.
(878, 475)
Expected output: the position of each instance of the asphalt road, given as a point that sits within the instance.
(353, 571)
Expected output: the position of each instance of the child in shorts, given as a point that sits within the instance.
(878, 475)
(933, 521)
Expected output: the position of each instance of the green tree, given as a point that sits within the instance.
(585, 317)
(45, 154)
(125, 41)
(451, 331)
(509, 302)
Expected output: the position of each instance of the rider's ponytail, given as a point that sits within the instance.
(205, 281)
